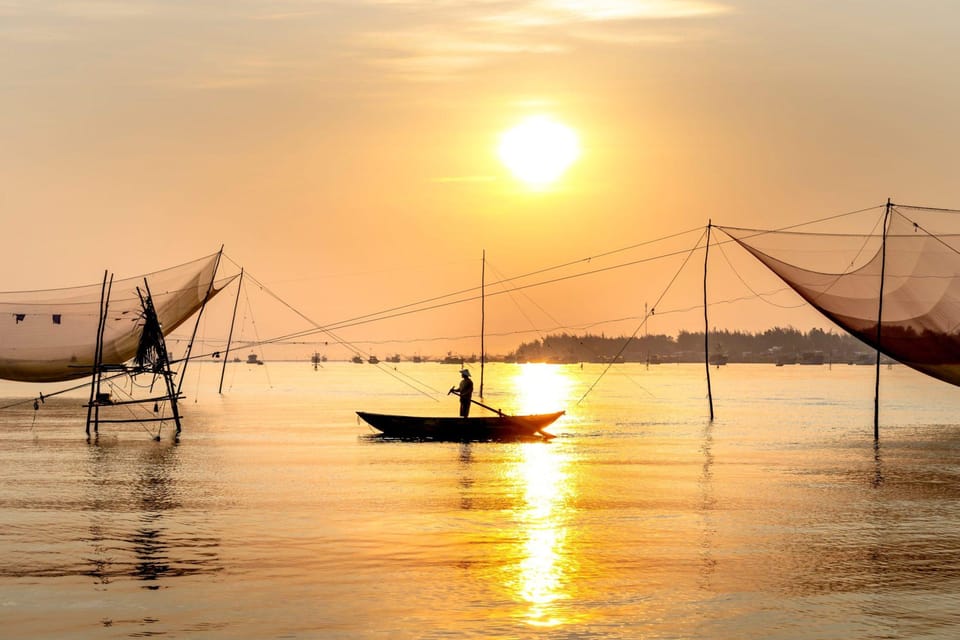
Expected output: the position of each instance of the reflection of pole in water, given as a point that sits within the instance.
(466, 481)
(150, 548)
(877, 466)
(154, 489)
(707, 504)
(161, 545)
(99, 504)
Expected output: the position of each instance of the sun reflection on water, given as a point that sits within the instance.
(544, 570)
(541, 388)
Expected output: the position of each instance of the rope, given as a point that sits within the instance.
(393, 372)
(253, 322)
(119, 281)
(521, 309)
(418, 307)
(390, 312)
(645, 317)
(750, 289)
(931, 209)
(387, 315)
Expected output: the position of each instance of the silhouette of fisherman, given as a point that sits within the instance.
(465, 391)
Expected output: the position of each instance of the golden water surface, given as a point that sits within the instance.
(279, 515)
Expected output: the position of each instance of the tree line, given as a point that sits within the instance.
(780, 344)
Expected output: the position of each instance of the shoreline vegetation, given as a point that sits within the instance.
(780, 346)
(777, 346)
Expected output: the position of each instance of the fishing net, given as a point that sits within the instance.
(50, 335)
(840, 275)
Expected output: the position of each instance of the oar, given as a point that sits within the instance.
(496, 411)
(500, 413)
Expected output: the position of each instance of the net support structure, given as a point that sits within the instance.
(152, 358)
(93, 406)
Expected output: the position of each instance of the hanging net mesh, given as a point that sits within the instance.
(50, 336)
(840, 275)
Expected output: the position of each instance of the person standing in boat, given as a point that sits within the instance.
(465, 391)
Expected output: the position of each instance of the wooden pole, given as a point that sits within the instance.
(196, 325)
(883, 268)
(97, 351)
(483, 318)
(233, 319)
(706, 321)
(99, 355)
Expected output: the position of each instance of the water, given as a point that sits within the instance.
(277, 515)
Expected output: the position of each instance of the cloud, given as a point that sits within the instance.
(631, 9)
(209, 44)
(437, 51)
(86, 10)
(438, 39)
(465, 179)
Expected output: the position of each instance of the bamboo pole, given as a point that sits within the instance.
(97, 351)
(883, 268)
(99, 355)
(706, 322)
(233, 319)
(196, 325)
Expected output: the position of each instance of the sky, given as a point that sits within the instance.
(344, 153)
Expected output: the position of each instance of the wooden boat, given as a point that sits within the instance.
(499, 427)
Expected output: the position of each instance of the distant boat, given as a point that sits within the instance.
(373, 360)
(450, 429)
(356, 360)
(253, 359)
(812, 357)
(394, 358)
(452, 359)
(718, 359)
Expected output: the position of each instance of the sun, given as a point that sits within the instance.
(539, 150)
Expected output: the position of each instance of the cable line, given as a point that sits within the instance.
(645, 318)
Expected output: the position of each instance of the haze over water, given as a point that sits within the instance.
(279, 515)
